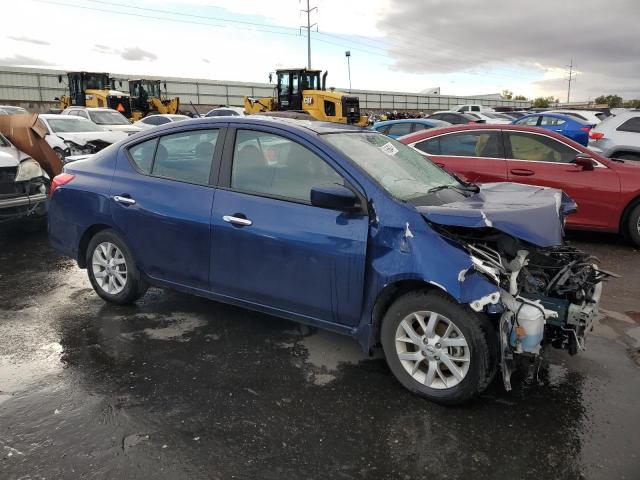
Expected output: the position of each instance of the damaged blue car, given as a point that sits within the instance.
(337, 227)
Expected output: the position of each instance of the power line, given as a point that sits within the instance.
(570, 80)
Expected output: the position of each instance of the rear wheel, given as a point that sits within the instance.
(633, 225)
(112, 269)
(438, 348)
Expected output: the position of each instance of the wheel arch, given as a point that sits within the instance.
(86, 237)
(627, 212)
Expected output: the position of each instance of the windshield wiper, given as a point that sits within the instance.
(470, 188)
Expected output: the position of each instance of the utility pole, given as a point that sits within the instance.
(308, 26)
(348, 55)
(570, 80)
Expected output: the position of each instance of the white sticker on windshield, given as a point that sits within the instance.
(389, 149)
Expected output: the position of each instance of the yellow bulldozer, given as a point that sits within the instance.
(90, 89)
(301, 90)
(146, 98)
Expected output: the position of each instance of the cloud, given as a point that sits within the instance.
(28, 40)
(137, 54)
(206, 61)
(508, 38)
(23, 61)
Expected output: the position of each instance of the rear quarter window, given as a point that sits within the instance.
(631, 125)
(142, 154)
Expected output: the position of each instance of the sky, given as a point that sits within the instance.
(465, 47)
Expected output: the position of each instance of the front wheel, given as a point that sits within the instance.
(633, 226)
(112, 271)
(438, 348)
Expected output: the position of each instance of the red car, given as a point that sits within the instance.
(607, 191)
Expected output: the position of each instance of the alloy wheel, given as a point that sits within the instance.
(432, 349)
(109, 268)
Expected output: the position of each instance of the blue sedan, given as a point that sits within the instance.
(405, 126)
(334, 226)
(574, 128)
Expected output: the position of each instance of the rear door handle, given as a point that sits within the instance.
(124, 200)
(441, 165)
(243, 222)
(522, 172)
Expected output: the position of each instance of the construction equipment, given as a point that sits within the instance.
(300, 90)
(90, 89)
(146, 98)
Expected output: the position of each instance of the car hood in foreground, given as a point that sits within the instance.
(530, 213)
(81, 138)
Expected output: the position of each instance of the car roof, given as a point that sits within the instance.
(313, 126)
(423, 134)
(48, 116)
(409, 120)
(92, 109)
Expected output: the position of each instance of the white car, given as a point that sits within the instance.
(151, 121)
(471, 107)
(105, 117)
(491, 117)
(592, 116)
(226, 112)
(70, 136)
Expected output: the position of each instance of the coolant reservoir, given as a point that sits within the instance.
(532, 321)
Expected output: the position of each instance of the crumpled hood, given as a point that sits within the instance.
(531, 213)
(82, 138)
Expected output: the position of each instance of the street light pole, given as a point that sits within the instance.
(348, 55)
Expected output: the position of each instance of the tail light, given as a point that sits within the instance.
(60, 180)
(585, 129)
(595, 135)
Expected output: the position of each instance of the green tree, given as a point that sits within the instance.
(632, 104)
(544, 102)
(520, 97)
(507, 94)
(612, 100)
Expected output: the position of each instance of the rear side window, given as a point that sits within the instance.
(548, 121)
(465, 144)
(631, 125)
(142, 154)
(526, 146)
(271, 165)
(529, 121)
(186, 156)
(403, 128)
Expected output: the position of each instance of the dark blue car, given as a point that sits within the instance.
(572, 127)
(337, 227)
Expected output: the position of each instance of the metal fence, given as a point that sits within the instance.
(37, 88)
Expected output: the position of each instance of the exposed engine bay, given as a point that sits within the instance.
(547, 295)
(89, 148)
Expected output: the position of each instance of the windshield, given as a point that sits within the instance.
(106, 117)
(72, 125)
(399, 169)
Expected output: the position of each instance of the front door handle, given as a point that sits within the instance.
(124, 200)
(243, 222)
(522, 172)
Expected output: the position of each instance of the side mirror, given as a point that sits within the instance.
(334, 197)
(584, 161)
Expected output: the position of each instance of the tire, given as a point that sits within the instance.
(112, 269)
(474, 356)
(633, 226)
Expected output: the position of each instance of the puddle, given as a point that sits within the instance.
(179, 324)
(17, 373)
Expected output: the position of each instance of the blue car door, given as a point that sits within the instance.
(269, 245)
(161, 202)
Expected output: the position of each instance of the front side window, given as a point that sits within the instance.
(186, 156)
(465, 144)
(548, 121)
(400, 170)
(272, 165)
(526, 146)
(529, 121)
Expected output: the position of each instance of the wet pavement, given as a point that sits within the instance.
(179, 387)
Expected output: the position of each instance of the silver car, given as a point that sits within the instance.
(617, 137)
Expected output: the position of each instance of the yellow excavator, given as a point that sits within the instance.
(146, 98)
(301, 90)
(90, 89)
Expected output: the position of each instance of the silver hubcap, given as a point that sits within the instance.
(432, 350)
(109, 268)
